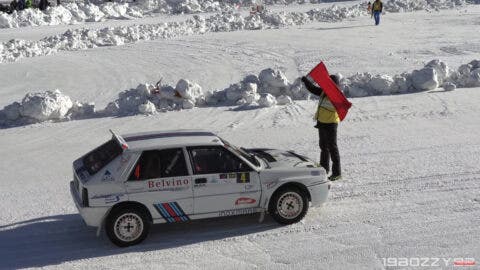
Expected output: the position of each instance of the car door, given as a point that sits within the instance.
(222, 181)
(161, 181)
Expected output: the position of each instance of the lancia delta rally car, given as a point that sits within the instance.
(135, 180)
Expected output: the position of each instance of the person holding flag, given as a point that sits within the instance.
(331, 103)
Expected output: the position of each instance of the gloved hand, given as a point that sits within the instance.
(304, 79)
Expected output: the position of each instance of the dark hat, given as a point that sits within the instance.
(335, 78)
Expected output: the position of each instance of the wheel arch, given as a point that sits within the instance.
(135, 204)
(298, 185)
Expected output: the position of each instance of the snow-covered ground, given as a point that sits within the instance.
(411, 185)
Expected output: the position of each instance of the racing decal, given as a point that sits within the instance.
(271, 184)
(108, 176)
(243, 177)
(245, 200)
(232, 175)
(123, 160)
(235, 212)
(171, 212)
(223, 176)
(109, 198)
(168, 184)
(83, 173)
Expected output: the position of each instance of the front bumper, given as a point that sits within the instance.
(319, 192)
(91, 215)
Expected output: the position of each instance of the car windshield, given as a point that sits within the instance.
(101, 156)
(242, 152)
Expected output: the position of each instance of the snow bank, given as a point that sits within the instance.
(71, 13)
(81, 39)
(269, 88)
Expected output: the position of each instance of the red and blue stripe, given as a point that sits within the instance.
(171, 212)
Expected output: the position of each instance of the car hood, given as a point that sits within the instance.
(282, 158)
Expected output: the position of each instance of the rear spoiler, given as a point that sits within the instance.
(119, 140)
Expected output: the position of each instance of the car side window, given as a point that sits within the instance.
(159, 164)
(215, 159)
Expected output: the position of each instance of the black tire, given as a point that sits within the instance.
(286, 198)
(127, 226)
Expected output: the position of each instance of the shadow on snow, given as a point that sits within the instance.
(64, 238)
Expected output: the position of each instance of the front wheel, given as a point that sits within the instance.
(288, 205)
(127, 226)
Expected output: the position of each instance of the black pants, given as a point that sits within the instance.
(328, 147)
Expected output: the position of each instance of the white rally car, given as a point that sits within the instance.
(135, 180)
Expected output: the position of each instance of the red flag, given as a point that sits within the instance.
(320, 75)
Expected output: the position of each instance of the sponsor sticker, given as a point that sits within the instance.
(244, 200)
(123, 160)
(109, 198)
(232, 175)
(271, 184)
(108, 176)
(243, 177)
(248, 187)
(168, 185)
(223, 176)
(234, 212)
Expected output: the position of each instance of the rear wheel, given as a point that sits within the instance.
(127, 226)
(288, 205)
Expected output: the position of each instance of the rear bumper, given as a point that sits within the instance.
(319, 192)
(92, 216)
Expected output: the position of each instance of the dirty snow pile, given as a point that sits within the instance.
(269, 88)
(433, 75)
(72, 13)
(69, 13)
(185, 6)
(81, 39)
(408, 6)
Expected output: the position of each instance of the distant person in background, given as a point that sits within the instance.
(21, 4)
(377, 10)
(369, 9)
(13, 5)
(327, 123)
(43, 4)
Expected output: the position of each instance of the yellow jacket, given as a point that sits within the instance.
(326, 112)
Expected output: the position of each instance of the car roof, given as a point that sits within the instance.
(170, 138)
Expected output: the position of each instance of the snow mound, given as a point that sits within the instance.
(147, 108)
(468, 75)
(82, 39)
(267, 100)
(39, 107)
(448, 86)
(425, 79)
(70, 13)
(269, 88)
(284, 100)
